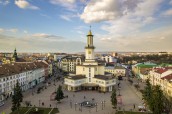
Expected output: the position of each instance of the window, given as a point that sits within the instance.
(89, 69)
(89, 79)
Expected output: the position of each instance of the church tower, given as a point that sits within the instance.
(15, 54)
(89, 48)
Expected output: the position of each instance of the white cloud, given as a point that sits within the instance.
(101, 10)
(12, 30)
(1, 30)
(25, 5)
(25, 31)
(68, 17)
(170, 2)
(44, 35)
(65, 17)
(167, 12)
(4, 2)
(154, 40)
(30, 44)
(147, 7)
(69, 4)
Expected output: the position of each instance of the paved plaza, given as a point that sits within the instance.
(130, 97)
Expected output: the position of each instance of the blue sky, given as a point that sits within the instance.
(62, 25)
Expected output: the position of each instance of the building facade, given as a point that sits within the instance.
(116, 71)
(68, 63)
(90, 74)
(27, 74)
(162, 76)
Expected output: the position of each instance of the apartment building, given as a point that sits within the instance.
(162, 76)
(27, 74)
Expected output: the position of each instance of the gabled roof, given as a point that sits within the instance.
(168, 77)
(162, 69)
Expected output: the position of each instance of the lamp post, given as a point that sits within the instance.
(102, 105)
(75, 106)
(81, 107)
(56, 104)
(39, 102)
(70, 103)
(96, 106)
(119, 91)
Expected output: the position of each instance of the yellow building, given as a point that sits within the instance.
(162, 76)
(90, 74)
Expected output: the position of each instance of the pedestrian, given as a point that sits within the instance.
(134, 106)
(50, 105)
(84, 97)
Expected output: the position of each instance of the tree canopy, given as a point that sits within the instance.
(17, 97)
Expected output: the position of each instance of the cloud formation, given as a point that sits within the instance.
(12, 30)
(44, 35)
(69, 4)
(167, 12)
(101, 10)
(39, 43)
(4, 2)
(25, 5)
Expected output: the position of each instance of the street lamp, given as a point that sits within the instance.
(56, 104)
(70, 103)
(39, 102)
(119, 91)
(75, 106)
(96, 106)
(102, 105)
(81, 107)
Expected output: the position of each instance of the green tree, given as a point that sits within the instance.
(59, 94)
(17, 97)
(113, 98)
(158, 101)
(147, 93)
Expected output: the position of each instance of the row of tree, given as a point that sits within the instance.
(159, 59)
(155, 100)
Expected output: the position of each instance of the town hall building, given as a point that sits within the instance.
(90, 74)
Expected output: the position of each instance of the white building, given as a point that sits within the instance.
(116, 71)
(68, 63)
(90, 74)
(27, 74)
(109, 58)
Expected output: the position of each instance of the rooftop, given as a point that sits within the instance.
(16, 68)
(103, 77)
(76, 77)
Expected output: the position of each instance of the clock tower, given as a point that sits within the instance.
(89, 48)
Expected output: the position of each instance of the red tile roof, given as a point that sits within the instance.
(168, 77)
(162, 70)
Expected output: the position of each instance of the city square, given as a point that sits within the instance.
(130, 96)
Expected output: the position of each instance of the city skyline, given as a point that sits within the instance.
(62, 25)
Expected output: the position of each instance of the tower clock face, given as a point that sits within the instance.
(89, 52)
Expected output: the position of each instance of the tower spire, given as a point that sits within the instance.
(90, 33)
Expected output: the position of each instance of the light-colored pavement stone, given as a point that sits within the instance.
(130, 96)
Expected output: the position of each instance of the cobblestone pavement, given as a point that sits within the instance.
(130, 97)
